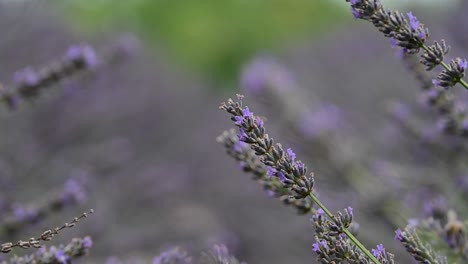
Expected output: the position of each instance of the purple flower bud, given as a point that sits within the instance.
(87, 242)
(398, 235)
(356, 13)
(281, 176)
(259, 122)
(61, 257)
(271, 171)
(320, 212)
(379, 251)
(239, 120)
(324, 243)
(316, 247)
(291, 154)
(246, 113)
(350, 210)
(27, 77)
(463, 64)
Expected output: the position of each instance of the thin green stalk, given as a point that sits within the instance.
(346, 231)
(461, 81)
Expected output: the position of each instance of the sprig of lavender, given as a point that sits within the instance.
(29, 82)
(411, 35)
(45, 236)
(453, 117)
(333, 246)
(72, 193)
(421, 252)
(284, 165)
(78, 247)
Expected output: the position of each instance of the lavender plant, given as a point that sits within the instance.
(411, 35)
(292, 174)
(27, 84)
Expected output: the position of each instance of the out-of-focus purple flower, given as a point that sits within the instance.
(263, 73)
(61, 257)
(350, 210)
(321, 121)
(398, 235)
(281, 176)
(246, 112)
(73, 192)
(316, 247)
(291, 154)
(24, 214)
(87, 242)
(324, 243)
(435, 207)
(463, 64)
(379, 251)
(174, 255)
(83, 52)
(413, 20)
(113, 260)
(320, 212)
(271, 171)
(26, 76)
(239, 120)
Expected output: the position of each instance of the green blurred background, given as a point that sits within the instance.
(215, 37)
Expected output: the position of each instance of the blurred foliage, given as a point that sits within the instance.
(214, 36)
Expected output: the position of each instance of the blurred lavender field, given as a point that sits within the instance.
(139, 136)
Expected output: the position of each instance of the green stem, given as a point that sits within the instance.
(346, 231)
(461, 81)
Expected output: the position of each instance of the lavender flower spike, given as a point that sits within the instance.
(294, 172)
(411, 35)
(45, 236)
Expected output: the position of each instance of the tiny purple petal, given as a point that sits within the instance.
(291, 154)
(61, 257)
(463, 64)
(320, 212)
(271, 171)
(422, 35)
(87, 242)
(316, 247)
(281, 176)
(246, 112)
(356, 13)
(259, 122)
(243, 136)
(324, 244)
(350, 210)
(239, 120)
(398, 235)
(414, 22)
